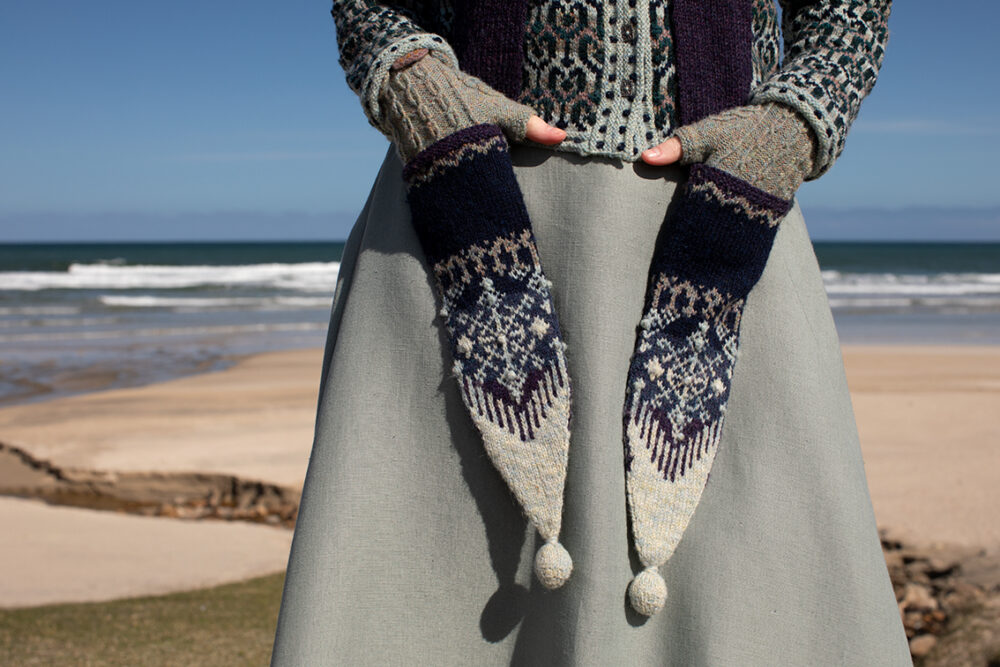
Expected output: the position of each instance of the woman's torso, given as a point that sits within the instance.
(604, 71)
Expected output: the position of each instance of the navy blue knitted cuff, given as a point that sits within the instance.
(719, 233)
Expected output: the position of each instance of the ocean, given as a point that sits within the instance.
(85, 316)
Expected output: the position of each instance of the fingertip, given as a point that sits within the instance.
(656, 156)
(668, 152)
(547, 134)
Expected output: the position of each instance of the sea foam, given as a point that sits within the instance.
(303, 276)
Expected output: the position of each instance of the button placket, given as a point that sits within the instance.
(621, 116)
(639, 77)
(626, 50)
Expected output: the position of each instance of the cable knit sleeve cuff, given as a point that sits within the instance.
(832, 58)
(378, 72)
(825, 124)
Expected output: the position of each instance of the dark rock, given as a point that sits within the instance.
(937, 567)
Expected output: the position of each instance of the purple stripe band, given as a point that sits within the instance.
(442, 147)
(702, 173)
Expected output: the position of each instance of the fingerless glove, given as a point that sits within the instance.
(426, 99)
(769, 146)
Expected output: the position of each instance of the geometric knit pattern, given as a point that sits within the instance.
(766, 51)
(589, 65)
(679, 376)
(833, 52)
(720, 235)
(564, 62)
(603, 70)
(663, 85)
(498, 313)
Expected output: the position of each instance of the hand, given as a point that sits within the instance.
(769, 146)
(426, 99)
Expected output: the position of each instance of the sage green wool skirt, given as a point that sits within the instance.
(410, 550)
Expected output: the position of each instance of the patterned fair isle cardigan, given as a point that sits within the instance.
(603, 70)
(619, 77)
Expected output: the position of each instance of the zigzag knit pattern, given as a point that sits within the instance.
(497, 307)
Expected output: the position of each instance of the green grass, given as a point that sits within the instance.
(231, 624)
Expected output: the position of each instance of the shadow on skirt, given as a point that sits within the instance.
(409, 549)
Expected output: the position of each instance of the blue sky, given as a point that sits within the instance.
(231, 120)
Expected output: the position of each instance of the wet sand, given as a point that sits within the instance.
(253, 420)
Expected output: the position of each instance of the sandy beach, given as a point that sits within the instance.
(928, 417)
(929, 421)
(253, 420)
(66, 554)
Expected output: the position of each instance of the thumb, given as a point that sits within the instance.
(668, 152)
(540, 131)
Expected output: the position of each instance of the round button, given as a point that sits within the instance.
(628, 33)
(627, 88)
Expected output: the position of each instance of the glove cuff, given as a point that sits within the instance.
(721, 232)
(426, 99)
(769, 145)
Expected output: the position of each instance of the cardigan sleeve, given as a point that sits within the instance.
(832, 55)
(370, 35)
